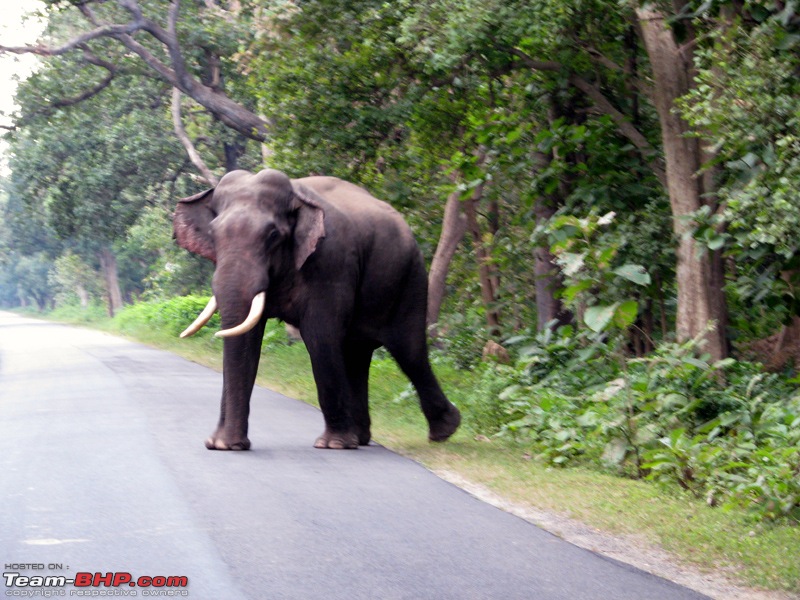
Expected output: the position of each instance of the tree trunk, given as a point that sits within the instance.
(83, 295)
(454, 226)
(548, 280)
(108, 265)
(550, 310)
(233, 152)
(488, 279)
(697, 305)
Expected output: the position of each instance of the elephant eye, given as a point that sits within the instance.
(272, 236)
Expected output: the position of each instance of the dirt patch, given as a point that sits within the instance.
(628, 549)
(776, 352)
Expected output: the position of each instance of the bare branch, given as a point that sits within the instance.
(90, 58)
(96, 89)
(171, 41)
(104, 31)
(172, 23)
(180, 131)
(536, 65)
(132, 6)
(624, 125)
(175, 73)
(149, 58)
(606, 62)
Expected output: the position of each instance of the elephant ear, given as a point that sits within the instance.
(310, 226)
(192, 224)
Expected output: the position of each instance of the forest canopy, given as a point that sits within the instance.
(507, 132)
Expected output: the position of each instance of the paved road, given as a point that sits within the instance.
(103, 469)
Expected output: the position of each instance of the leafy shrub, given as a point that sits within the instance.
(176, 314)
(462, 337)
(726, 432)
(170, 316)
(484, 405)
(74, 313)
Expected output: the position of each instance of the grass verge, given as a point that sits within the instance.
(759, 555)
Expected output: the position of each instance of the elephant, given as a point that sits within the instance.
(325, 256)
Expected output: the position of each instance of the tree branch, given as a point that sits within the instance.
(92, 59)
(603, 60)
(536, 65)
(175, 73)
(104, 31)
(625, 127)
(604, 106)
(180, 131)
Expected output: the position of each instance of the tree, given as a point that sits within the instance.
(27, 248)
(744, 106)
(71, 278)
(97, 167)
(699, 293)
(184, 57)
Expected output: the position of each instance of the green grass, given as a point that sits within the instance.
(760, 554)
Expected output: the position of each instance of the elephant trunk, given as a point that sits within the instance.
(252, 319)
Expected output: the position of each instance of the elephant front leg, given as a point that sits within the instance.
(231, 432)
(240, 365)
(357, 358)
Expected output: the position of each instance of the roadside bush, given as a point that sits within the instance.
(485, 404)
(462, 337)
(726, 432)
(75, 313)
(170, 316)
(176, 314)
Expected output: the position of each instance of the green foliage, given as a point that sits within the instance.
(31, 274)
(745, 107)
(171, 316)
(74, 281)
(586, 258)
(169, 270)
(725, 432)
(462, 337)
(93, 314)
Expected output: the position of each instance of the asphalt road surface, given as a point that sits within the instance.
(103, 470)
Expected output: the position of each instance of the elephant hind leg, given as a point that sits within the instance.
(406, 339)
(411, 353)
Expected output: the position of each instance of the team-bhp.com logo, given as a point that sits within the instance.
(93, 584)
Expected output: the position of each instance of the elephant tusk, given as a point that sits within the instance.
(256, 310)
(202, 318)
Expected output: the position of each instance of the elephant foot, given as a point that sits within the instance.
(219, 442)
(337, 440)
(445, 426)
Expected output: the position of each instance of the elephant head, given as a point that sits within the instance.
(251, 226)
